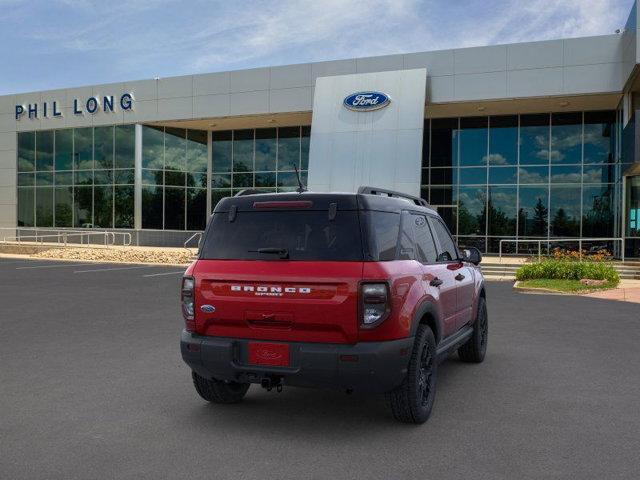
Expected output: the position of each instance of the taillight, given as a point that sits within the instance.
(187, 299)
(375, 303)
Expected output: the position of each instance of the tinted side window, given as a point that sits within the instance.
(384, 230)
(426, 248)
(447, 250)
(407, 250)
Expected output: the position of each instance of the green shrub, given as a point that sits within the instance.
(558, 269)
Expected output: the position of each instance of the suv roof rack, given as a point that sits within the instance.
(392, 193)
(247, 191)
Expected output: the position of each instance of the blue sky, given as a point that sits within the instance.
(47, 44)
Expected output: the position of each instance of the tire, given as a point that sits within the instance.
(217, 391)
(474, 350)
(412, 401)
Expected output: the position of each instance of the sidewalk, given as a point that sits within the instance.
(627, 291)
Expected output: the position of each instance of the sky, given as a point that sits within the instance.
(48, 44)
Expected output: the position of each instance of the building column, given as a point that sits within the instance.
(137, 196)
(209, 172)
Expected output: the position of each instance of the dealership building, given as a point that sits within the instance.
(519, 142)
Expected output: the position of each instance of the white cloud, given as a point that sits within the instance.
(143, 38)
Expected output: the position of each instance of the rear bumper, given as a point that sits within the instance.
(380, 366)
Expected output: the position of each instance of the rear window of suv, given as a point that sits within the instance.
(305, 235)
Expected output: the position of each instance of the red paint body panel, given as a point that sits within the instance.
(279, 300)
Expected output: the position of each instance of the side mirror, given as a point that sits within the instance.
(472, 255)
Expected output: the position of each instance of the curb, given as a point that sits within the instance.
(76, 260)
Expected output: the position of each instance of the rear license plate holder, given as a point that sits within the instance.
(268, 354)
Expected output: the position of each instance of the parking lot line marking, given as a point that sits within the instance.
(54, 266)
(165, 273)
(114, 268)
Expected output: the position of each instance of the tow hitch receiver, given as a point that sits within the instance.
(269, 383)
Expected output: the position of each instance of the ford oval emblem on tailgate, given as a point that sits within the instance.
(208, 308)
(366, 101)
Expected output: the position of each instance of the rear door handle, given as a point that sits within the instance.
(459, 277)
(436, 282)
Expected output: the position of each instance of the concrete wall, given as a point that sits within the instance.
(382, 148)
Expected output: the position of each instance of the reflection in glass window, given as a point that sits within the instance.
(26, 179)
(473, 176)
(26, 151)
(473, 141)
(123, 201)
(305, 140)
(26, 206)
(103, 207)
(599, 140)
(103, 147)
(125, 146)
(502, 175)
(152, 147)
(196, 208)
(442, 196)
(221, 151)
(174, 208)
(288, 148)
(243, 151)
(571, 174)
(197, 151)
(597, 211)
(44, 150)
(533, 212)
(444, 142)
(566, 138)
(266, 149)
(152, 207)
(64, 149)
(534, 139)
(501, 210)
(444, 176)
(529, 175)
(83, 206)
(471, 211)
(44, 206)
(604, 173)
(175, 149)
(564, 212)
(44, 179)
(83, 148)
(503, 141)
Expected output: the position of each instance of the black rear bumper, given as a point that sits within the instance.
(367, 366)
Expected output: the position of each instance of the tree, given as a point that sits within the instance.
(540, 219)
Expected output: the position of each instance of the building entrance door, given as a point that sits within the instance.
(632, 215)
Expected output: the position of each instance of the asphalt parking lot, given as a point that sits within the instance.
(92, 386)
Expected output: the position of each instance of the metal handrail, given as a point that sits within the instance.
(197, 234)
(549, 241)
(109, 238)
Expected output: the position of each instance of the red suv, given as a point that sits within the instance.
(362, 292)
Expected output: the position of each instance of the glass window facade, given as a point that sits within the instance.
(77, 177)
(174, 178)
(263, 159)
(536, 176)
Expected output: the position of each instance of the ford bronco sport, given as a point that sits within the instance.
(362, 292)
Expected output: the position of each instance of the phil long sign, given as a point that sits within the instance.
(366, 101)
(91, 105)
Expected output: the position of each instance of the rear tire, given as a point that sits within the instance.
(217, 391)
(476, 347)
(412, 401)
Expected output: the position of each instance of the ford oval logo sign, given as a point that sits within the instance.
(208, 308)
(366, 101)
